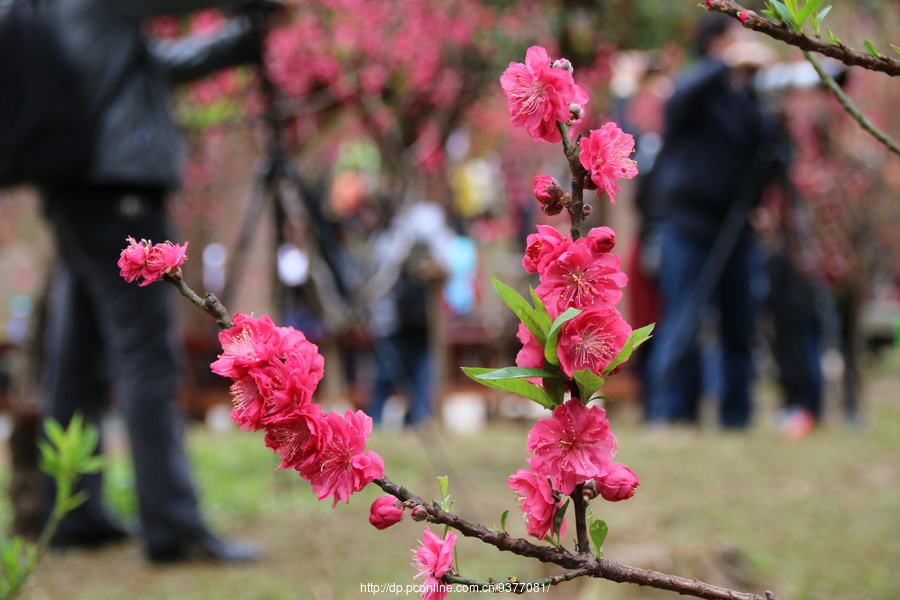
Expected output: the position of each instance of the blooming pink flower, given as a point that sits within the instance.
(245, 345)
(572, 446)
(299, 437)
(251, 395)
(132, 259)
(538, 502)
(592, 340)
(580, 278)
(163, 259)
(618, 483)
(432, 559)
(605, 153)
(541, 247)
(385, 512)
(343, 466)
(539, 95)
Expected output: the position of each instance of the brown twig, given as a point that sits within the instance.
(576, 206)
(838, 51)
(512, 586)
(586, 564)
(209, 303)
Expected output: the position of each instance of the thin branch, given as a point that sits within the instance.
(209, 303)
(582, 543)
(576, 206)
(558, 555)
(848, 105)
(838, 51)
(514, 587)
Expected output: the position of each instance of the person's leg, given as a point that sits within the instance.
(137, 328)
(417, 359)
(75, 381)
(674, 373)
(737, 310)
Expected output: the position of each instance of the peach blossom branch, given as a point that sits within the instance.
(783, 33)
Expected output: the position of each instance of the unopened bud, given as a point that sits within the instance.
(576, 112)
(590, 489)
(564, 63)
(419, 513)
(588, 183)
(586, 211)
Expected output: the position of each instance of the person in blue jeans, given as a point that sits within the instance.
(714, 162)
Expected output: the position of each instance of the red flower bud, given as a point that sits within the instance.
(744, 16)
(419, 513)
(618, 484)
(385, 512)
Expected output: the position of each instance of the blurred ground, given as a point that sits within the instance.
(815, 518)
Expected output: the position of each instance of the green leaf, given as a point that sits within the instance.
(444, 485)
(807, 10)
(637, 337)
(599, 530)
(503, 518)
(517, 373)
(522, 308)
(833, 38)
(896, 48)
(558, 519)
(522, 387)
(550, 354)
(588, 383)
(543, 317)
(778, 11)
(871, 49)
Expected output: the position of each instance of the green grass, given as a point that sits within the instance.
(811, 519)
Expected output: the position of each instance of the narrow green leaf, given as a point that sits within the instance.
(522, 387)
(599, 530)
(543, 317)
(522, 308)
(503, 518)
(833, 38)
(517, 373)
(444, 485)
(558, 519)
(55, 432)
(637, 337)
(896, 48)
(550, 354)
(871, 49)
(588, 383)
(807, 10)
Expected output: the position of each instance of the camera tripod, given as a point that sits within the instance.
(278, 186)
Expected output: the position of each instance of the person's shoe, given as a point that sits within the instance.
(203, 548)
(99, 536)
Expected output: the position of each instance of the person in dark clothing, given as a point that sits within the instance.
(105, 334)
(708, 175)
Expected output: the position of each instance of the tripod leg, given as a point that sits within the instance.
(259, 193)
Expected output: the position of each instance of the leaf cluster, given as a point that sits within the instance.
(554, 382)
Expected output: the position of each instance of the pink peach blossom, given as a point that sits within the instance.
(344, 466)
(163, 259)
(384, 512)
(133, 258)
(572, 446)
(580, 278)
(539, 95)
(245, 345)
(432, 559)
(605, 153)
(541, 247)
(592, 340)
(538, 502)
(618, 484)
(548, 192)
(299, 437)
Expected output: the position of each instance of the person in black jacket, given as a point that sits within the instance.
(707, 177)
(103, 333)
